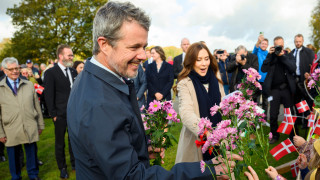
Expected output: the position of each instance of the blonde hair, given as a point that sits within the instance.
(315, 161)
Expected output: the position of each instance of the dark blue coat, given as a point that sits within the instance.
(140, 85)
(107, 137)
(159, 82)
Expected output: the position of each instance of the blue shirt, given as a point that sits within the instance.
(223, 71)
(261, 57)
(12, 82)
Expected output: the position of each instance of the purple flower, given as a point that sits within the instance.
(167, 105)
(171, 114)
(142, 108)
(154, 106)
(202, 166)
(270, 135)
(249, 92)
(311, 84)
(214, 110)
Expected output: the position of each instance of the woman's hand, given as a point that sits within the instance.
(272, 172)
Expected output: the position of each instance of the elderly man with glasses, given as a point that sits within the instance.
(21, 120)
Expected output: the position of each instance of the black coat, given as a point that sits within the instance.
(252, 62)
(177, 65)
(140, 85)
(159, 82)
(269, 67)
(57, 90)
(107, 135)
(306, 59)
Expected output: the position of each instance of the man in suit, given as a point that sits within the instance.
(21, 120)
(105, 124)
(178, 60)
(279, 84)
(148, 61)
(304, 58)
(241, 60)
(58, 82)
(140, 85)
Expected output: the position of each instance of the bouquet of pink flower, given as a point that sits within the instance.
(249, 84)
(156, 123)
(314, 82)
(240, 132)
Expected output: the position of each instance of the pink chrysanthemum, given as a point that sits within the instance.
(154, 106)
(202, 166)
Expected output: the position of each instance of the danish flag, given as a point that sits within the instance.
(311, 119)
(39, 89)
(287, 115)
(316, 129)
(302, 106)
(284, 148)
(295, 169)
(286, 127)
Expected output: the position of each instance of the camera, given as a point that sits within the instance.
(220, 52)
(277, 50)
(242, 56)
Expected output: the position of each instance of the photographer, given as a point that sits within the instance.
(241, 60)
(279, 84)
(223, 60)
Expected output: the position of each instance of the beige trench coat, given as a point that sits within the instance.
(190, 116)
(20, 116)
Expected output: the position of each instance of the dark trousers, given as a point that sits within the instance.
(1, 149)
(14, 160)
(264, 102)
(60, 131)
(279, 97)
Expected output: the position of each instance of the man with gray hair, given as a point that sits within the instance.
(104, 121)
(178, 60)
(241, 60)
(21, 120)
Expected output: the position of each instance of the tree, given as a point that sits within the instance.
(44, 24)
(315, 25)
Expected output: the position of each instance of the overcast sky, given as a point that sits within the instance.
(221, 24)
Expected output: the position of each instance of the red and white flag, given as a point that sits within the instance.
(316, 128)
(286, 127)
(302, 106)
(287, 115)
(295, 169)
(284, 148)
(311, 119)
(39, 89)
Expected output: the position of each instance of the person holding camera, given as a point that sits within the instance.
(279, 84)
(223, 60)
(304, 58)
(241, 60)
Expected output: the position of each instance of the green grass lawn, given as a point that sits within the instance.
(49, 171)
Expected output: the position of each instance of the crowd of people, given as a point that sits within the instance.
(97, 102)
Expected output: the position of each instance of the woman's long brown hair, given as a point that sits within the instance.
(191, 58)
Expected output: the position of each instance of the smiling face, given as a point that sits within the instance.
(202, 64)
(66, 57)
(12, 71)
(80, 68)
(124, 58)
(264, 45)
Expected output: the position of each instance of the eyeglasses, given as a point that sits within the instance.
(13, 69)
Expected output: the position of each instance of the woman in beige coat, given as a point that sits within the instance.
(199, 88)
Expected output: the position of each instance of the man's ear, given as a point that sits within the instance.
(104, 45)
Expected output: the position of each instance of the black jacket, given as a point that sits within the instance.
(159, 82)
(306, 59)
(57, 90)
(252, 62)
(107, 135)
(177, 65)
(140, 85)
(269, 67)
